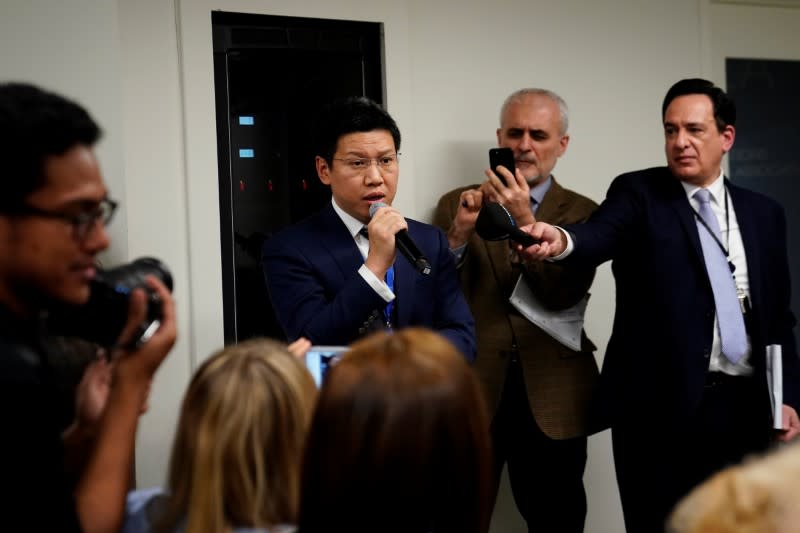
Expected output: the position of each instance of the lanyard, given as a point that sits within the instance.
(389, 280)
(717, 240)
(387, 311)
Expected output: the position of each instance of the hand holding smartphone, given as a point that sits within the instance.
(504, 157)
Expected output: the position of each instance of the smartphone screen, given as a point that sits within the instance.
(504, 157)
(320, 358)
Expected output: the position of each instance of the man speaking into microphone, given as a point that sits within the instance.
(336, 275)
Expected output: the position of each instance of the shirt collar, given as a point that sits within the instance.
(353, 225)
(717, 188)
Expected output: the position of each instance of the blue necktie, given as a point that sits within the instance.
(389, 279)
(732, 333)
(387, 311)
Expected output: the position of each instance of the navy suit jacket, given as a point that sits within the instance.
(659, 351)
(311, 272)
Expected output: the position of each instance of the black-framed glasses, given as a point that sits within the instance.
(360, 164)
(83, 222)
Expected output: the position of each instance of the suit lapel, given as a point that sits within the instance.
(553, 204)
(337, 241)
(404, 279)
(676, 198)
(499, 255)
(750, 238)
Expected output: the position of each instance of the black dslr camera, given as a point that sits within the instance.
(103, 317)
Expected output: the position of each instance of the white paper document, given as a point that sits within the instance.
(775, 383)
(565, 326)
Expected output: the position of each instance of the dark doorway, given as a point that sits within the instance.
(765, 156)
(271, 76)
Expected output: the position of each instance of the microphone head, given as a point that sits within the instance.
(494, 222)
(374, 207)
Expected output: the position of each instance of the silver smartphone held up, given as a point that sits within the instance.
(320, 358)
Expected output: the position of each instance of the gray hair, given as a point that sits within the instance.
(519, 95)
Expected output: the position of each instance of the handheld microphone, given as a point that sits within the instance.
(406, 246)
(495, 223)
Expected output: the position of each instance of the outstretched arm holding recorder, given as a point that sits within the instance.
(702, 291)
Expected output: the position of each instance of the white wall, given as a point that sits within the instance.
(120, 60)
(55, 45)
(743, 31)
(156, 178)
(144, 69)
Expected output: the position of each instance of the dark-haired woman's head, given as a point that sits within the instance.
(399, 441)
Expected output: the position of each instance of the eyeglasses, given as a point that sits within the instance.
(82, 223)
(360, 164)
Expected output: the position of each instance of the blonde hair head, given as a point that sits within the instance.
(237, 451)
(758, 496)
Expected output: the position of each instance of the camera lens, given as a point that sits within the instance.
(103, 317)
(125, 278)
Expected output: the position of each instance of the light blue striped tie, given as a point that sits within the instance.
(732, 333)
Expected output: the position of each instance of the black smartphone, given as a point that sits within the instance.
(502, 156)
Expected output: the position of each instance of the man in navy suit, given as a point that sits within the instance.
(331, 283)
(679, 407)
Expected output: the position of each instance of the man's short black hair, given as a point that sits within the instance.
(34, 125)
(724, 108)
(351, 115)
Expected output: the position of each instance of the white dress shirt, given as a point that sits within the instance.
(354, 227)
(732, 241)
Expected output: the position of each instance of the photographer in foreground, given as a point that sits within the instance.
(53, 211)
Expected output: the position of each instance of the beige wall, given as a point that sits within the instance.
(144, 69)
(55, 45)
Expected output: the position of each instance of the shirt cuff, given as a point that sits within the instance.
(378, 285)
(568, 249)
